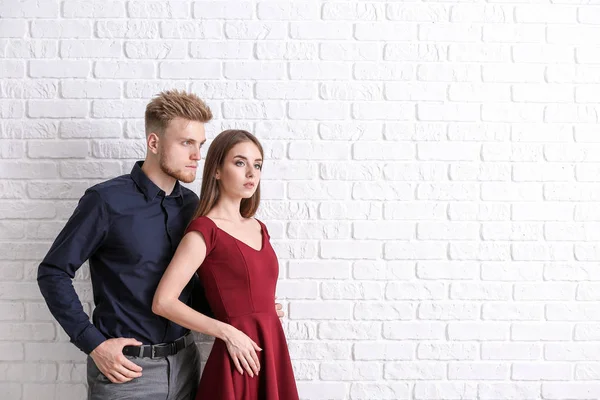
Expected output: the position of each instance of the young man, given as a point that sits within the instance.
(128, 228)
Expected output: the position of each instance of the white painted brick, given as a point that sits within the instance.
(449, 72)
(415, 52)
(262, 110)
(587, 371)
(253, 70)
(395, 350)
(454, 32)
(349, 330)
(466, 211)
(448, 311)
(409, 171)
(383, 311)
(480, 92)
(318, 269)
(356, 371)
(442, 390)
(318, 151)
(350, 250)
(30, 49)
(256, 30)
(448, 112)
(322, 390)
(37, 89)
(59, 69)
(61, 29)
(156, 9)
(312, 110)
(12, 69)
(57, 109)
(536, 331)
(376, 71)
(155, 50)
(380, 270)
(511, 33)
(189, 30)
(90, 48)
(293, 10)
(118, 109)
(511, 351)
(481, 13)
(447, 351)
(478, 331)
(329, 310)
(382, 31)
(478, 371)
(447, 191)
(570, 351)
(414, 370)
(414, 250)
(416, 91)
(512, 231)
(221, 10)
(541, 371)
(416, 291)
(479, 291)
(93, 9)
(13, 28)
(320, 351)
(505, 73)
(383, 151)
(286, 51)
(135, 29)
(509, 391)
(456, 151)
(342, 171)
(79, 89)
(446, 270)
(421, 330)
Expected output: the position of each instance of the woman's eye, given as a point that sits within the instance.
(258, 166)
(239, 163)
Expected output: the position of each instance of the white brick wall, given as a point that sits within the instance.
(430, 183)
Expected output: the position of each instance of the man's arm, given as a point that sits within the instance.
(80, 238)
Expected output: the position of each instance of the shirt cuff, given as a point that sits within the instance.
(89, 339)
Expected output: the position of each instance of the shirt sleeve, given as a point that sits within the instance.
(83, 234)
(208, 230)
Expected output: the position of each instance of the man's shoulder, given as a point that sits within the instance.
(109, 188)
(189, 195)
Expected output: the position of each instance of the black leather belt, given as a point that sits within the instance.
(160, 350)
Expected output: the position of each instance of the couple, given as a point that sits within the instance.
(162, 263)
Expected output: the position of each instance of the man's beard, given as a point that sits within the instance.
(179, 175)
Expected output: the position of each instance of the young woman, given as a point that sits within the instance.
(231, 252)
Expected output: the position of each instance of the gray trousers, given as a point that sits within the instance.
(171, 378)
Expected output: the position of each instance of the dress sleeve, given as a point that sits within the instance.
(208, 230)
(264, 227)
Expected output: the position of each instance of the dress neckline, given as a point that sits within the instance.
(262, 236)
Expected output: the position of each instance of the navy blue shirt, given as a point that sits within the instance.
(128, 229)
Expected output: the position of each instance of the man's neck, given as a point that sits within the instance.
(158, 177)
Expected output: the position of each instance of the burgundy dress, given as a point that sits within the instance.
(240, 287)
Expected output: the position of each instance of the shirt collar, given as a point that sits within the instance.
(148, 187)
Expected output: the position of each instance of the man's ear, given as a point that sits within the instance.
(152, 142)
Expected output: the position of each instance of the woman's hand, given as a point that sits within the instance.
(242, 350)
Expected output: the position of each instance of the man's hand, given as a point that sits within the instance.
(279, 309)
(110, 360)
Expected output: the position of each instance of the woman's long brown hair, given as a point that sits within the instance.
(215, 157)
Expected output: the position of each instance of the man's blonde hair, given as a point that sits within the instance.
(172, 104)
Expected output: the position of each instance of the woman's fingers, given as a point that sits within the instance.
(246, 366)
(237, 364)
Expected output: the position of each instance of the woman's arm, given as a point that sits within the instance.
(188, 257)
